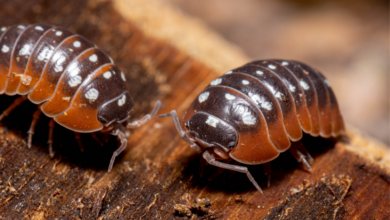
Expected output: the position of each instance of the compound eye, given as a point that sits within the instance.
(186, 124)
(231, 145)
(103, 120)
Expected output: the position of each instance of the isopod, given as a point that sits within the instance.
(253, 113)
(71, 80)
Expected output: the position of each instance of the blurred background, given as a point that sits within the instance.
(347, 40)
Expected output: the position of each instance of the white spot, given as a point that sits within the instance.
(122, 100)
(229, 72)
(304, 85)
(75, 81)
(93, 58)
(327, 82)
(271, 88)
(229, 97)
(259, 72)
(20, 26)
(59, 62)
(248, 119)
(202, 97)
(245, 82)
(39, 28)
(212, 121)
(92, 94)
(107, 75)
(292, 88)
(271, 66)
(76, 44)
(3, 28)
(216, 82)
(284, 63)
(25, 50)
(45, 54)
(59, 33)
(279, 95)
(260, 100)
(5, 48)
(123, 76)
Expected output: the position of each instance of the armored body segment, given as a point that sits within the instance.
(65, 53)
(103, 87)
(281, 93)
(292, 83)
(6, 46)
(41, 55)
(265, 102)
(73, 77)
(254, 145)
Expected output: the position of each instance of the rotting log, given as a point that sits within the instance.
(170, 57)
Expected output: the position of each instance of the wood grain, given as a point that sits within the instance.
(158, 169)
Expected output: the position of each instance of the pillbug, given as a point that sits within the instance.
(251, 113)
(71, 80)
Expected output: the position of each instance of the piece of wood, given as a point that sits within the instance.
(158, 172)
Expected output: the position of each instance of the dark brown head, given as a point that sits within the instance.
(210, 132)
(116, 110)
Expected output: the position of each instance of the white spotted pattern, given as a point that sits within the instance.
(92, 94)
(93, 58)
(203, 97)
(75, 81)
(229, 72)
(229, 97)
(123, 76)
(3, 28)
(271, 66)
(4, 48)
(25, 49)
(122, 100)
(259, 72)
(304, 85)
(76, 43)
(284, 63)
(212, 121)
(216, 82)
(39, 28)
(107, 75)
(292, 88)
(60, 61)
(59, 33)
(245, 82)
(20, 26)
(45, 54)
(248, 119)
(260, 100)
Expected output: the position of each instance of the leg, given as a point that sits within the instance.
(268, 171)
(50, 141)
(123, 139)
(305, 152)
(299, 156)
(146, 118)
(211, 160)
(16, 103)
(97, 139)
(78, 139)
(30, 132)
(182, 133)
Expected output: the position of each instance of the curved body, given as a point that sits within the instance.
(262, 106)
(72, 81)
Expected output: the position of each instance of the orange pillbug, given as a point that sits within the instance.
(251, 113)
(71, 80)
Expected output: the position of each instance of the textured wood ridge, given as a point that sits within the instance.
(158, 170)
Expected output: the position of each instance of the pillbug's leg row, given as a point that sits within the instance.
(211, 160)
(182, 133)
(305, 153)
(97, 139)
(30, 132)
(146, 118)
(268, 171)
(300, 157)
(123, 140)
(50, 141)
(78, 139)
(16, 103)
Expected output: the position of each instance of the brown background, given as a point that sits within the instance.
(347, 40)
